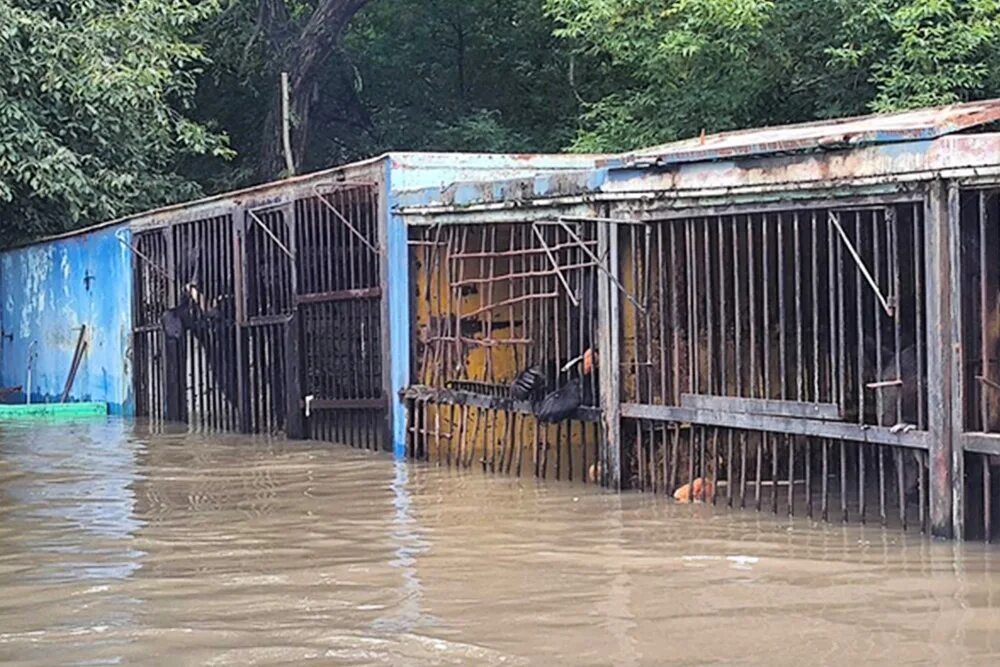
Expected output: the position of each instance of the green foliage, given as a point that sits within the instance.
(93, 109)
(672, 68)
(474, 75)
(112, 106)
(924, 52)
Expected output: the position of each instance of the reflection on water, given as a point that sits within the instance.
(118, 546)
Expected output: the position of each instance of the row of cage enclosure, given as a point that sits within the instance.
(778, 354)
(826, 346)
(789, 357)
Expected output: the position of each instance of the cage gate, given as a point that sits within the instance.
(265, 318)
(780, 362)
(339, 305)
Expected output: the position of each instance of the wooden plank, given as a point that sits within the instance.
(983, 443)
(341, 295)
(268, 320)
(348, 404)
(459, 397)
(777, 424)
(939, 369)
(81, 347)
(952, 351)
(609, 355)
(763, 406)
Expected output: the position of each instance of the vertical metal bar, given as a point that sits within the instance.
(782, 319)
(984, 315)
(661, 269)
(877, 318)
(859, 314)
(838, 319)
(892, 230)
(900, 486)
(808, 477)
(919, 296)
(675, 315)
(825, 491)
(797, 273)
(843, 481)
(987, 500)
(862, 505)
(815, 305)
(790, 444)
(881, 484)
(738, 315)
(692, 310)
(766, 307)
(709, 320)
(760, 461)
(721, 269)
(752, 301)
(775, 439)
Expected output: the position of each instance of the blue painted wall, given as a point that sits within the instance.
(47, 291)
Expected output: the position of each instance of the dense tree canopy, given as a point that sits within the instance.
(94, 101)
(111, 106)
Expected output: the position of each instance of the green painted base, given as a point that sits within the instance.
(18, 411)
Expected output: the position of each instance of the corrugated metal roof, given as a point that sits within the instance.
(914, 125)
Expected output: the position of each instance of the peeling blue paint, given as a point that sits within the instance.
(46, 299)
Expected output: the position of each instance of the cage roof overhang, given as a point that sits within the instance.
(886, 152)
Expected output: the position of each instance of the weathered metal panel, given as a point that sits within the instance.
(919, 124)
(48, 291)
(897, 164)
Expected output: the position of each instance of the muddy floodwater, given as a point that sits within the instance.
(119, 546)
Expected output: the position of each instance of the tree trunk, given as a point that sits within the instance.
(304, 60)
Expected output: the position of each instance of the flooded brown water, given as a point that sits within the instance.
(121, 547)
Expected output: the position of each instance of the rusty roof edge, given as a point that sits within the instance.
(844, 133)
(261, 190)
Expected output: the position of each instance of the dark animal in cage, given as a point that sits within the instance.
(528, 383)
(531, 382)
(563, 402)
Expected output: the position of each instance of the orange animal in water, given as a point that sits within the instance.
(699, 489)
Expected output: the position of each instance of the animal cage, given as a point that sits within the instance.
(264, 311)
(803, 320)
(488, 302)
(979, 390)
(776, 350)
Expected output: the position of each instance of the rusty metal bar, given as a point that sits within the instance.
(834, 219)
(347, 223)
(555, 265)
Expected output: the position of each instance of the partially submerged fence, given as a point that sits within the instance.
(252, 312)
(810, 336)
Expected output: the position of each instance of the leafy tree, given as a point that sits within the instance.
(250, 43)
(475, 75)
(671, 68)
(94, 102)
